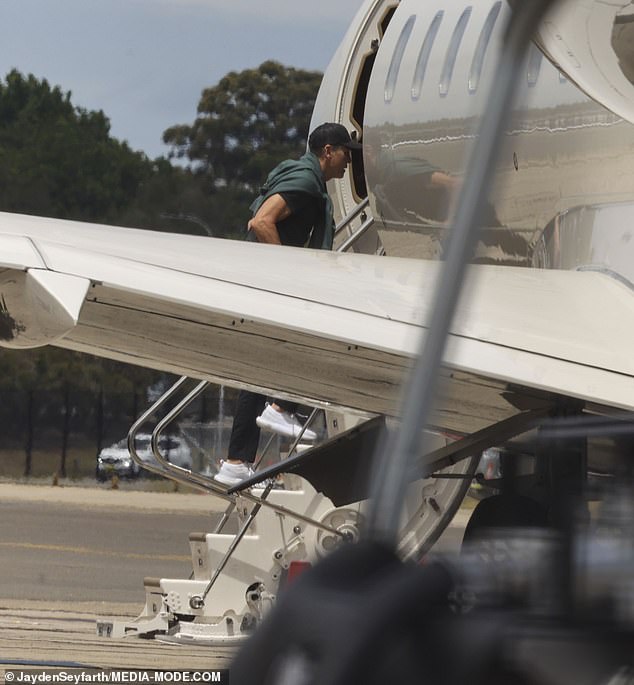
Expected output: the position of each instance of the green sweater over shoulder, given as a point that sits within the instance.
(303, 176)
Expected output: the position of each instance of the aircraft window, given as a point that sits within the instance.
(452, 52)
(423, 56)
(534, 65)
(481, 48)
(397, 58)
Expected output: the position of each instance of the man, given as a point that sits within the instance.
(293, 208)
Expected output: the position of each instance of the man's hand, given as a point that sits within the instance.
(273, 209)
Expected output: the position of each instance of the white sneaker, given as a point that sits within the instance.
(283, 423)
(232, 474)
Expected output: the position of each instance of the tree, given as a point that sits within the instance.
(59, 160)
(48, 390)
(183, 201)
(247, 123)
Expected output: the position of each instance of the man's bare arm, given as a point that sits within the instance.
(273, 209)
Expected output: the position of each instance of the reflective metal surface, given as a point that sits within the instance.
(599, 238)
(563, 151)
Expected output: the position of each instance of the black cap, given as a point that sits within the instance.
(332, 134)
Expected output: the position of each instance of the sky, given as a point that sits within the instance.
(145, 63)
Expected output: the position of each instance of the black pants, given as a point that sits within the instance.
(245, 433)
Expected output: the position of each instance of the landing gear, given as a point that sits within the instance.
(430, 505)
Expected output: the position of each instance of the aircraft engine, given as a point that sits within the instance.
(592, 42)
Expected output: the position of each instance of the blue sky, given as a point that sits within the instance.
(146, 62)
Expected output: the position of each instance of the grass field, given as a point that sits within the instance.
(46, 460)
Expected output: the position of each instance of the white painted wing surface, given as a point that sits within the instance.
(332, 328)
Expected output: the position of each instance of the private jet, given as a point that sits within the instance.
(543, 329)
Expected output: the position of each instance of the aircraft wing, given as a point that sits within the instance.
(335, 329)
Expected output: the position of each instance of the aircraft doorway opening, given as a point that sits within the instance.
(359, 186)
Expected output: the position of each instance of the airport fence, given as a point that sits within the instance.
(61, 432)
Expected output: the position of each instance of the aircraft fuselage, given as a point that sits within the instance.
(414, 79)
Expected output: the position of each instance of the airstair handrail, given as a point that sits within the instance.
(160, 469)
(349, 242)
(352, 214)
(194, 480)
(366, 222)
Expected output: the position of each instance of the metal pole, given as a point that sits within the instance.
(197, 602)
(397, 456)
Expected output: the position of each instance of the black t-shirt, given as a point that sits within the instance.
(306, 210)
(295, 230)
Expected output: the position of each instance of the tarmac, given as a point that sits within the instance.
(80, 496)
(61, 635)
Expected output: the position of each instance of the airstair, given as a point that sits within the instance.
(236, 577)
